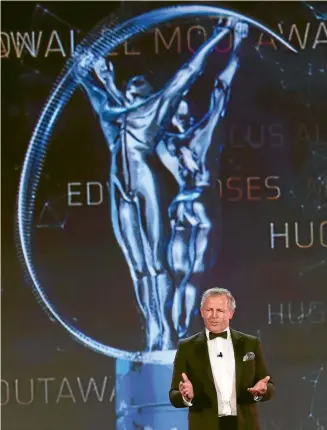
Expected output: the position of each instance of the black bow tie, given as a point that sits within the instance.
(214, 335)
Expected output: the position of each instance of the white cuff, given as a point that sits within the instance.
(187, 402)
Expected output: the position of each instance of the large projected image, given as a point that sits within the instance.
(152, 151)
(136, 125)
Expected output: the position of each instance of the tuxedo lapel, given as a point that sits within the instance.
(238, 353)
(203, 355)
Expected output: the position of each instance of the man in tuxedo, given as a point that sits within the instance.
(220, 373)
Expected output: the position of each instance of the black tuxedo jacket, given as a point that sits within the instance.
(192, 358)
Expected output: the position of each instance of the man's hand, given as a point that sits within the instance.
(186, 388)
(260, 387)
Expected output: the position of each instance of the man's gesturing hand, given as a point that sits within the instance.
(186, 388)
(260, 387)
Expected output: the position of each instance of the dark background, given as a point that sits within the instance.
(75, 251)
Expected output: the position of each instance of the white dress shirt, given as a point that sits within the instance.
(223, 371)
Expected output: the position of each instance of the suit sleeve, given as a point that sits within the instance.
(261, 372)
(175, 396)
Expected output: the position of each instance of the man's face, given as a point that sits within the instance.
(216, 313)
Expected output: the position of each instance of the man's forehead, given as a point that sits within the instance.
(216, 300)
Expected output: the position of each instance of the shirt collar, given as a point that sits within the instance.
(227, 329)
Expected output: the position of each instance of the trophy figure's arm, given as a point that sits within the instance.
(225, 78)
(103, 89)
(111, 87)
(179, 85)
(222, 86)
(96, 94)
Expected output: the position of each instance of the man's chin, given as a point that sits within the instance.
(215, 328)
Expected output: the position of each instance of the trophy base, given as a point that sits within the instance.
(142, 396)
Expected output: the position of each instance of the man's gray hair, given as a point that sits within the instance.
(219, 292)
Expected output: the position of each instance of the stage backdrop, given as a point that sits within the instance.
(143, 161)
